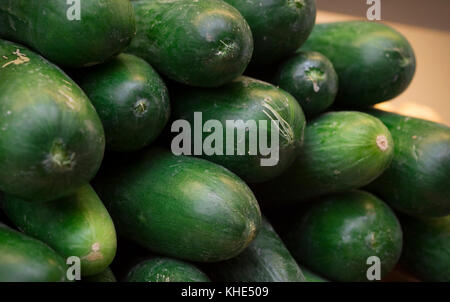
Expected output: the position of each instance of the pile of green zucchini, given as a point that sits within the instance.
(89, 91)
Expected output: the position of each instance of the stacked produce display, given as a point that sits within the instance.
(209, 140)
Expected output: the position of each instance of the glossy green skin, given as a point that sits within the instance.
(52, 140)
(311, 79)
(131, 100)
(181, 206)
(417, 181)
(279, 27)
(165, 270)
(78, 225)
(265, 260)
(311, 277)
(24, 259)
(341, 152)
(200, 43)
(426, 251)
(105, 276)
(335, 236)
(246, 99)
(105, 29)
(374, 62)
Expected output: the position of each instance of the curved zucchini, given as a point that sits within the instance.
(78, 225)
(199, 43)
(103, 29)
(24, 259)
(374, 62)
(165, 270)
(51, 138)
(131, 100)
(417, 181)
(250, 101)
(336, 236)
(342, 151)
(266, 259)
(181, 206)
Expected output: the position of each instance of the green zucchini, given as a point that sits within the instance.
(131, 100)
(181, 206)
(165, 270)
(24, 259)
(279, 27)
(106, 276)
(51, 138)
(335, 236)
(247, 100)
(311, 79)
(103, 30)
(78, 225)
(199, 43)
(266, 259)
(417, 181)
(426, 251)
(342, 151)
(374, 62)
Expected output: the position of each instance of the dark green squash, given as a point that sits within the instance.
(180, 206)
(104, 29)
(131, 100)
(374, 62)
(199, 43)
(335, 236)
(51, 138)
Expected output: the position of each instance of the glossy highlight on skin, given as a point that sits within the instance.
(180, 206)
(338, 233)
(340, 153)
(104, 30)
(130, 97)
(200, 43)
(417, 181)
(246, 99)
(374, 62)
(78, 225)
(52, 140)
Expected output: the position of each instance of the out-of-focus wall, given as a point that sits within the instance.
(426, 24)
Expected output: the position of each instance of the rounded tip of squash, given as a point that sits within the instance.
(140, 108)
(382, 142)
(59, 158)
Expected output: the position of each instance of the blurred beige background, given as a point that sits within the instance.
(426, 24)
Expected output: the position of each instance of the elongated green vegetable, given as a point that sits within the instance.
(336, 236)
(199, 43)
(78, 225)
(24, 259)
(311, 79)
(246, 109)
(374, 62)
(279, 27)
(51, 138)
(69, 33)
(165, 270)
(417, 181)
(265, 260)
(342, 151)
(181, 206)
(130, 98)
